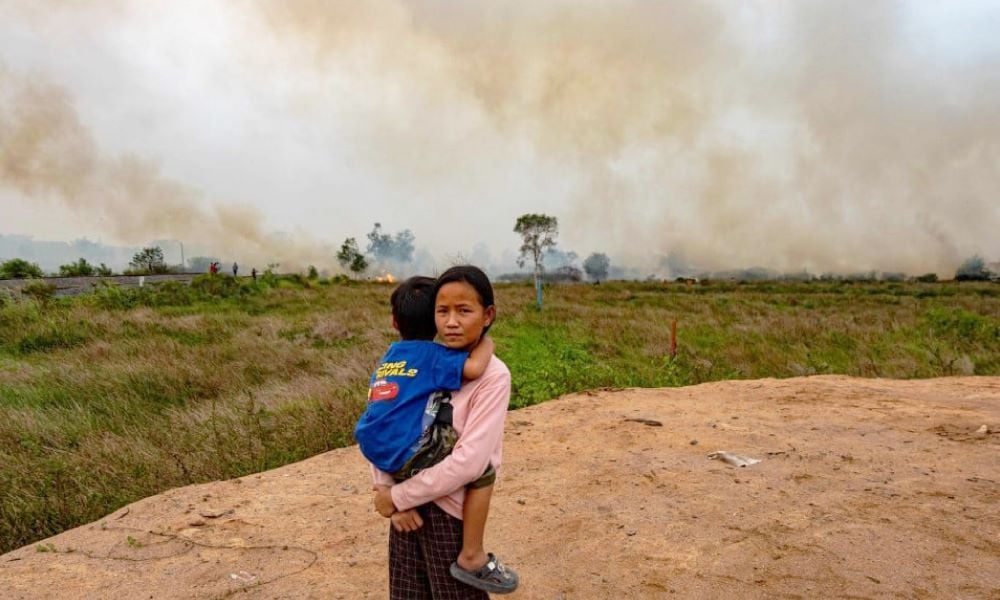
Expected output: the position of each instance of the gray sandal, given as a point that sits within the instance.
(493, 577)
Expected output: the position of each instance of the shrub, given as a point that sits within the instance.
(972, 269)
(80, 268)
(39, 290)
(928, 278)
(169, 293)
(17, 268)
(219, 287)
(111, 296)
(963, 325)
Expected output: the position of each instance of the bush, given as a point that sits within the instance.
(111, 296)
(214, 285)
(972, 269)
(17, 268)
(928, 278)
(169, 293)
(80, 268)
(39, 290)
(963, 325)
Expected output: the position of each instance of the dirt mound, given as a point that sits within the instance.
(867, 488)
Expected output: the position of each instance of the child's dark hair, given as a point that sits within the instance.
(413, 308)
(473, 276)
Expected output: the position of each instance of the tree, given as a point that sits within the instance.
(350, 256)
(150, 259)
(537, 232)
(379, 244)
(103, 270)
(80, 268)
(597, 265)
(18, 268)
(972, 269)
(383, 246)
(403, 243)
(553, 258)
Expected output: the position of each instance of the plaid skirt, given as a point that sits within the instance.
(419, 560)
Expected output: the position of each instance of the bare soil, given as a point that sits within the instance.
(866, 489)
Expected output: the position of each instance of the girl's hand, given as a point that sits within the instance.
(383, 501)
(408, 520)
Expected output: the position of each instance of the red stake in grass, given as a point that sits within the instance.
(673, 339)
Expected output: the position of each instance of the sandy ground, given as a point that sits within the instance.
(866, 489)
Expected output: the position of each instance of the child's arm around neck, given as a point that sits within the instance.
(479, 358)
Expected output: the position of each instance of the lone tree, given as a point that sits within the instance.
(597, 265)
(18, 268)
(150, 259)
(537, 232)
(350, 256)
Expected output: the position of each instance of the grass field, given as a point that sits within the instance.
(113, 396)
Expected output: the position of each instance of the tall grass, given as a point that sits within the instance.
(113, 396)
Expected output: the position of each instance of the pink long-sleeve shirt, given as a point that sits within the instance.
(479, 409)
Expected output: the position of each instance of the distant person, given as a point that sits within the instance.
(236, 269)
(434, 455)
(213, 268)
(253, 273)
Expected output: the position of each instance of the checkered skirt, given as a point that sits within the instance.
(419, 560)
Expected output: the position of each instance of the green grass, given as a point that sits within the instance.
(119, 394)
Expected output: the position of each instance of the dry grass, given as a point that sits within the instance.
(101, 405)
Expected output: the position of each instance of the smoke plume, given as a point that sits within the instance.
(794, 135)
(817, 135)
(49, 156)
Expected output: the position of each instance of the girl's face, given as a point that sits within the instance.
(460, 315)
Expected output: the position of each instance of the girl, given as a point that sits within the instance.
(427, 532)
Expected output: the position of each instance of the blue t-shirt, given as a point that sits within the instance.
(409, 372)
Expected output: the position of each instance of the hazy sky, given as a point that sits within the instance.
(826, 135)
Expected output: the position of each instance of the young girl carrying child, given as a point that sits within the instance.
(438, 488)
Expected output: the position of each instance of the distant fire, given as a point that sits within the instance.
(386, 278)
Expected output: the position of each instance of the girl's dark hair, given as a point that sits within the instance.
(473, 276)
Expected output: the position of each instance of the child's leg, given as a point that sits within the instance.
(474, 513)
